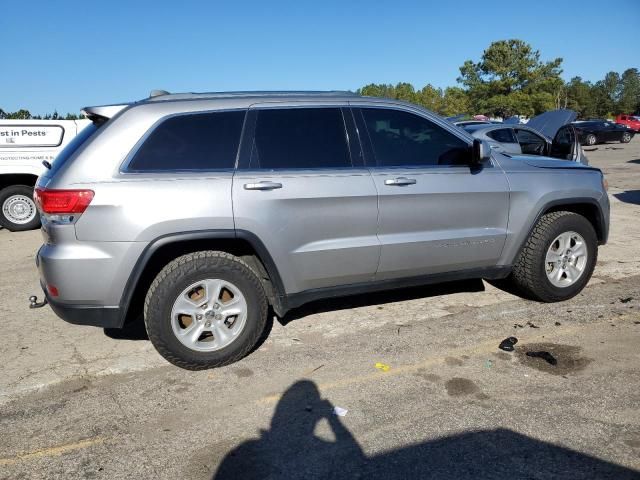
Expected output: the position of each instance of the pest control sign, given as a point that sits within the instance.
(30, 135)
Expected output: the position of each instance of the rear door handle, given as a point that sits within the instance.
(262, 186)
(400, 181)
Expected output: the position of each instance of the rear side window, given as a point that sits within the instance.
(405, 139)
(202, 141)
(502, 135)
(300, 138)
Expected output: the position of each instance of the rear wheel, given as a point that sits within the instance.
(205, 309)
(558, 259)
(18, 211)
(591, 139)
(626, 137)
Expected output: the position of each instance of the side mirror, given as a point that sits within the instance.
(481, 152)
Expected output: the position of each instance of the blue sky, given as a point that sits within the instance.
(69, 54)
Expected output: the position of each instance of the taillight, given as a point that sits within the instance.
(62, 202)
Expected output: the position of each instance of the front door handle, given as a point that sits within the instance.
(400, 181)
(262, 186)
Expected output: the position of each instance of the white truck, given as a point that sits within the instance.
(24, 146)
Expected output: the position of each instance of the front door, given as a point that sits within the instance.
(436, 213)
(299, 191)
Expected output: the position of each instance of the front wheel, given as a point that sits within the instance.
(591, 139)
(205, 309)
(558, 258)
(18, 211)
(626, 137)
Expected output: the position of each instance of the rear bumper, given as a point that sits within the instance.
(96, 316)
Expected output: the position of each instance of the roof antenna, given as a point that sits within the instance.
(158, 93)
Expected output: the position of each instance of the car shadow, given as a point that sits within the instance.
(290, 449)
(629, 196)
(134, 330)
(381, 298)
(636, 161)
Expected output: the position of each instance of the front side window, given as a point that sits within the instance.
(300, 138)
(202, 141)
(502, 135)
(405, 139)
(530, 143)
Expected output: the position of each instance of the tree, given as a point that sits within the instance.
(511, 79)
(3, 114)
(455, 102)
(629, 99)
(580, 97)
(19, 115)
(430, 97)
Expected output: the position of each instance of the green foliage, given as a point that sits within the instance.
(510, 79)
(23, 114)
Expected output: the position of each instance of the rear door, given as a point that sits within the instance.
(302, 188)
(436, 213)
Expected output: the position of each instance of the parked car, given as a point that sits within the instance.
(630, 121)
(591, 132)
(464, 123)
(558, 140)
(200, 212)
(24, 145)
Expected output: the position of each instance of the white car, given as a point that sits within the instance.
(24, 146)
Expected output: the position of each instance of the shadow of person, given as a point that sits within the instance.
(291, 448)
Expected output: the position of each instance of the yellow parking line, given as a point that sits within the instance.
(482, 348)
(52, 451)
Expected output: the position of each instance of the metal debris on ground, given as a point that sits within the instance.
(508, 344)
(546, 356)
(383, 366)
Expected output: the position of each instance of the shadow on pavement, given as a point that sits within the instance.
(637, 161)
(290, 449)
(630, 196)
(134, 330)
(382, 297)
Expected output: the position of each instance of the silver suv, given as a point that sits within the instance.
(201, 212)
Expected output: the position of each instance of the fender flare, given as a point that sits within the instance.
(214, 234)
(602, 225)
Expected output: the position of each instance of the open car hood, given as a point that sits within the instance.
(548, 123)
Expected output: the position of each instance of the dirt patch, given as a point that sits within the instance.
(457, 387)
(453, 361)
(243, 372)
(430, 377)
(569, 358)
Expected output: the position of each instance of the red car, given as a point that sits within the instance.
(631, 121)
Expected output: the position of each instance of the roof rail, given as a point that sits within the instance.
(205, 95)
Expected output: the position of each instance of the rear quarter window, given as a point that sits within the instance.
(80, 139)
(191, 142)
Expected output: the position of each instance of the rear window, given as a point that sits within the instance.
(202, 141)
(85, 134)
(300, 138)
(502, 135)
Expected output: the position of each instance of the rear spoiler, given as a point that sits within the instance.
(102, 113)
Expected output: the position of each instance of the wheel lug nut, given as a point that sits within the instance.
(198, 317)
(207, 324)
(216, 306)
(218, 317)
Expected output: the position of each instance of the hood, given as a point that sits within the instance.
(548, 123)
(548, 162)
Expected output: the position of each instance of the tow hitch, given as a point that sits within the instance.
(34, 303)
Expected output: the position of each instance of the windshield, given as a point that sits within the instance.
(71, 147)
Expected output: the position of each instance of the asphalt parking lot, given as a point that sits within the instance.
(79, 402)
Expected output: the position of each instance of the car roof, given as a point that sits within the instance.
(161, 96)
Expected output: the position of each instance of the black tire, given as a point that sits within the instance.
(6, 221)
(591, 139)
(529, 275)
(626, 137)
(178, 275)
